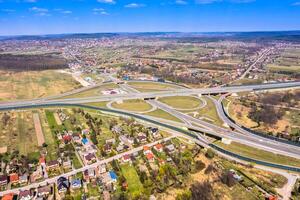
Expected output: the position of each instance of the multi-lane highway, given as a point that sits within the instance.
(147, 95)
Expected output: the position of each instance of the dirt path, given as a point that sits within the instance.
(38, 129)
(57, 119)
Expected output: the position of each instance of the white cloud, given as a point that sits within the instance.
(37, 9)
(8, 10)
(296, 3)
(107, 1)
(134, 5)
(30, 1)
(40, 11)
(215, 1)
(99, 11)
(180, 2)
(66, 12)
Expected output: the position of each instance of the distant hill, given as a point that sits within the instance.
(192, 36)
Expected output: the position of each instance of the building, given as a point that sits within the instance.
(3, 180)
(170, 148)
(90, 158)
(158, 147)
(76, 183)
(52, 165)
(14, 178)
(44, 191)
(25, 195)
(62, 184)
(23, 179)
(146, 150)
(150, 157)
(9, 196)
(126, 158)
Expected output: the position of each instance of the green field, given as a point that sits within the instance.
(162, 114)
(258, 154)
(135, 187)
(209, 111)
(92, 92)
(101, 104)
(136, 105)
(181, 102)
(152, 86)
(280, 68)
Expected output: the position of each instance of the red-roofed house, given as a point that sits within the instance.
(158, 147)
(126, 158)
(14, 178)
(150, 157)
(9, 196)
(146, 150)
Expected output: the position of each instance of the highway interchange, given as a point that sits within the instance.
(239, 135)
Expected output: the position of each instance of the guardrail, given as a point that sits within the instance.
(295, 169)
(259, 133)
(278, 166)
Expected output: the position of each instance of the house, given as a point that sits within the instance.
(42, 161)
(3, 180)
(9, 196)
(111, 141)
(102, 169)
(85, 131)
(44, 191)
(62, 184)
(126, 158)
(158, 147)
(147, 150)
(120, 148)
(52, 165)
(25, 195)
(67, 164)
(14, 178)
(76, 138)
(108, 178)
(170, 148)
(142, 138)
(117, 129)
(23, 179)
(67, 138)
(150, 157)
(107, 148)
(37, 174)
(106, 195)
(89, 174)
(76, 183)
(90, 158)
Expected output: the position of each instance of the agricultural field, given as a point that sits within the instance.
(134, 105)
(258, 154)
(34, 84)
(182, 102)
(18, 133)
(288, 61)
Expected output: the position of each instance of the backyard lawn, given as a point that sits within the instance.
(135, 187)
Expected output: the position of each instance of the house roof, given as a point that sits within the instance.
(3, 178)
(52, 163)
(150, 156)
(146, 148)
(24, 193)
(42, 160)
(44, 189)
(90, 156)
(126, 157)
(9, 196)
(159, 146)
(84, 140)
(13, 177)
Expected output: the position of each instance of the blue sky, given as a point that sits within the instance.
(68, 16)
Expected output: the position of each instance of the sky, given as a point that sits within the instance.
(27, 17)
